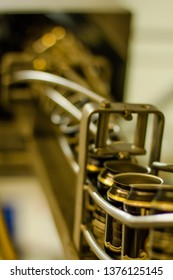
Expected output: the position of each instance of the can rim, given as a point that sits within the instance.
(117, 178)
(108, 163)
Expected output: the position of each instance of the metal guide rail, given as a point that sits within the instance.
(93, 124)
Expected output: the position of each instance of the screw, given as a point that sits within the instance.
(105, 104)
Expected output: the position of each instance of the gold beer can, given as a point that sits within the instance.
(161, 239)
(116, 195)
(137, 203)
(105, 179)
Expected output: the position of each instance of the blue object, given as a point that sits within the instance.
(8, 213)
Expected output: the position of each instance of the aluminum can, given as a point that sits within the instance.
(105, 180)
(137, 203)
(116, 195)
(161, 238)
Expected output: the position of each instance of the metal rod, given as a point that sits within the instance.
(67, 106)
(102, 127)
(32, 75)
(157, 136)
(140, 133)
(128, 219)
(83, 144)
(161, 166)
(63, 102)
(93, 244)
(68, 153)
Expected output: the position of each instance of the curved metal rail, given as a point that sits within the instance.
(33, 75)
(128, 219)
(93, 244)
(67, 106)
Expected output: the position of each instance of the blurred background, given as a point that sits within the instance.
(150, 63)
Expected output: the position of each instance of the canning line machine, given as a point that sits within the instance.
(63, 118)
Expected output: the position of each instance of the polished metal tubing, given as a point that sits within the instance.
(33, 75)
(141, 127)
(162, 166)
(93, 244)
(102, 127)
(66, 105)
(128, 219)
(68, 153)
